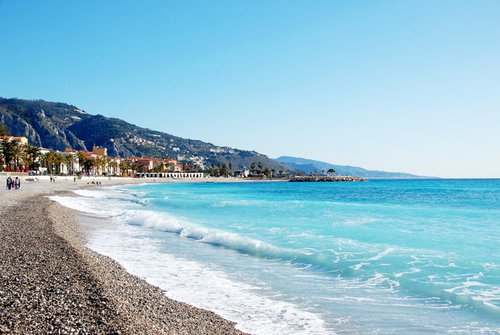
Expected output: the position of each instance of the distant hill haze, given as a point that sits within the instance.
(309, 165)
(58, 126)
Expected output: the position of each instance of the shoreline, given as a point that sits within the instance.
(51, 282)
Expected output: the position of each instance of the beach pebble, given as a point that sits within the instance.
(51, 283)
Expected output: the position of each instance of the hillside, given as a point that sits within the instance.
(309, 165)
(58, 126)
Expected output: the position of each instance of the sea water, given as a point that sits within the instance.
(378, 257)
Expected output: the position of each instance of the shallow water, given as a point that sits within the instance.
(381, 257)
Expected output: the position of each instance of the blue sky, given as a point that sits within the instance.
(410, 86)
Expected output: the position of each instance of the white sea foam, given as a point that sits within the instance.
(93, 205)
(184, 228)
(207, 287)
(79, 204)
(91, 193)
(382, 254)
(361, 267)
(378, 279)
(412, 271)
(360, 221)
(240, 203)
(187, 280)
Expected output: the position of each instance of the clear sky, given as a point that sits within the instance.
(410, 86)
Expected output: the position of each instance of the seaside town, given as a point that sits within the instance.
(17, 155)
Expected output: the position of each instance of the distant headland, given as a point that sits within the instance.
(62, 130)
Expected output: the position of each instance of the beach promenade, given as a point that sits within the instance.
(51, 283)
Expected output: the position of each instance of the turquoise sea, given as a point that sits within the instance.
(379, 257)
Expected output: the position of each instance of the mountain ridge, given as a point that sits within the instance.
(310, 165)
(57, 126)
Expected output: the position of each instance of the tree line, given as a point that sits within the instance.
(256, 169)
(15, 157)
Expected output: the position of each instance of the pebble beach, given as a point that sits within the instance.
(51, 283)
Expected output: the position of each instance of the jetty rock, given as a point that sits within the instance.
(326, 178)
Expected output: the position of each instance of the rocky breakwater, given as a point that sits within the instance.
(326, 178)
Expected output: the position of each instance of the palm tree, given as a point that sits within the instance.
(113, 164)
(90, 163)
(102, 163)
(59, 159)
(17, 152)
(82, 159)
(124, 167)
(134, 167)
(7, 151)
(71, 159)
(50, 158)
(31, 156)
(99, 162)
(86, 164)
(108, 161)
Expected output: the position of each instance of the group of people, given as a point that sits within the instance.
(13, 184)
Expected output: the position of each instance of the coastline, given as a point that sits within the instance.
(51, 282)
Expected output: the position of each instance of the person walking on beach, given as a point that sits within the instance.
(18, 183)
(9, 183)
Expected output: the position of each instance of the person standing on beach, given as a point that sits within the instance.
(18, 183)
(9, 183)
